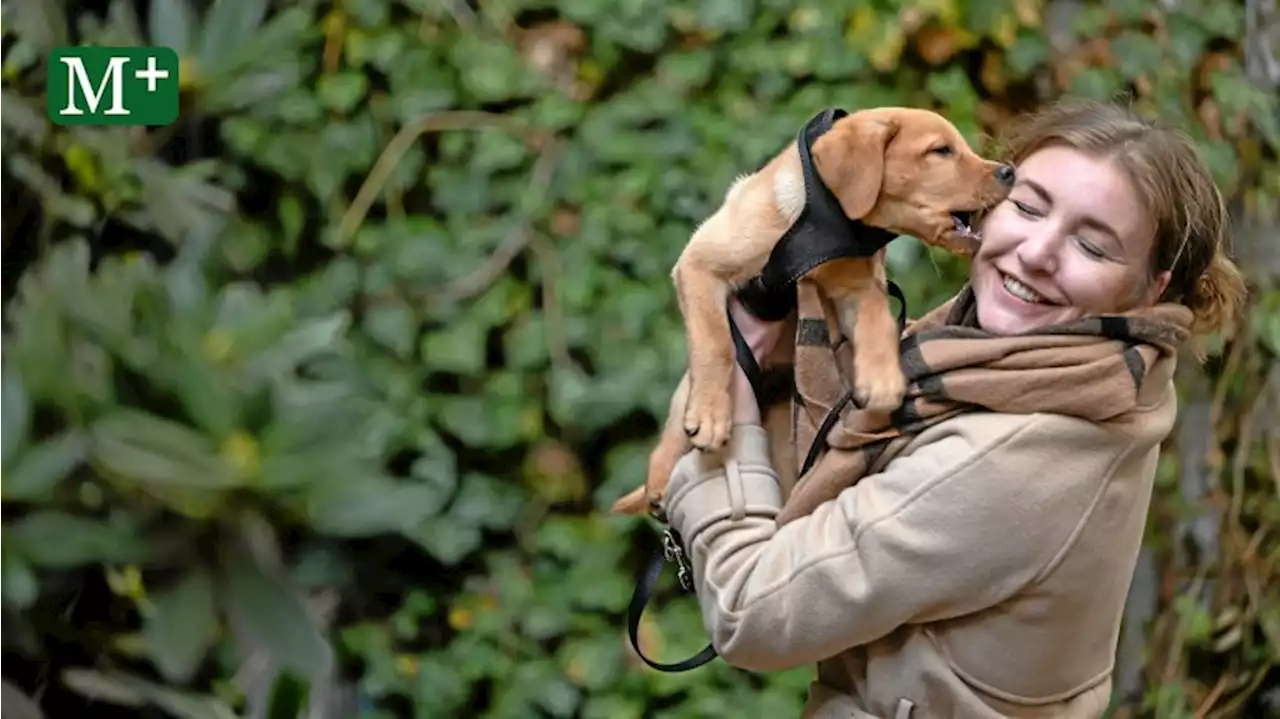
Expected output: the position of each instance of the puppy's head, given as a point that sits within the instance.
(911, 172)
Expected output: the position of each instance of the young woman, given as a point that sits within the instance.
(976, 565)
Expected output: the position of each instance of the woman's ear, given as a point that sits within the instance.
(1155, 288)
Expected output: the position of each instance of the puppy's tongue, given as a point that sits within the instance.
(965, 231)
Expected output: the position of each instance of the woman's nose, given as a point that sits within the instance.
(1039, 252)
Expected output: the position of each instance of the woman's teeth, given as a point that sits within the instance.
(1021, 291)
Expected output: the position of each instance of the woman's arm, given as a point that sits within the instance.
(980, 508)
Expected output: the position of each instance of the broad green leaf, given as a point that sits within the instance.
(272, 613)
(447, 538)
(592, 663)
(487, 502)
(17, 413)
(131, 691)
(366, 506)
(134, 446)
(1138, 54)
(98, 686)
(21, 118)
(205, 392)
(441, 690)
(304, 446)
(421, 83)
(288, 697)
(172, 24)
(613, 706)
(460, 348)
(1096, 83)
(17, 705)
(307, 340)
(41, 22)
(35, 473)
(19, 585)
(341, 92)
(60, 541)
(1029, 51)
(290, 213)
(499, 418)
(254, 88)
(228, 25)
(392, 325)
(182, 625)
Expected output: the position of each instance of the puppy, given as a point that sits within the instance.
(908, 171)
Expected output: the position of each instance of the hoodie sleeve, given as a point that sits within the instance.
(960, 521)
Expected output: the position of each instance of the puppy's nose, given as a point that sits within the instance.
(1005, 174)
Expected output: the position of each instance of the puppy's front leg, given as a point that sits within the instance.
(703, 300)
(856, 287)
(879, 384)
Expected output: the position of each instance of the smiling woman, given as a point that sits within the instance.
(1109, 212)
(969, 556)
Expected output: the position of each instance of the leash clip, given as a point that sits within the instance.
(674, 553)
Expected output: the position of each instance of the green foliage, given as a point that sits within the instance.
(332, 382)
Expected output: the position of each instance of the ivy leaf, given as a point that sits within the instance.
(447, 538)
(341, 92)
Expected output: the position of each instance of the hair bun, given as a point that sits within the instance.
(1219, 295)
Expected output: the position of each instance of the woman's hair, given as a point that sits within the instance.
(1192, 225)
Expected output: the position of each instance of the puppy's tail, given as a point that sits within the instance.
(637, 502)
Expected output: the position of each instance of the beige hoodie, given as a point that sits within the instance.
(982, 573)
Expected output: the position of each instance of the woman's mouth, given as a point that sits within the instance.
(1018, 289)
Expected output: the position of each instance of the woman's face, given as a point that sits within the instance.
(1072, 239)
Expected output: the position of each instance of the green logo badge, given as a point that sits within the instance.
(113, 86)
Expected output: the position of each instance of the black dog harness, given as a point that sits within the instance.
(820, 234)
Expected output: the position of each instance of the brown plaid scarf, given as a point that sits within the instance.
(1093, 368)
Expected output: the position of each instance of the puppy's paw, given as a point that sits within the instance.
(707, 419)
(879, 392)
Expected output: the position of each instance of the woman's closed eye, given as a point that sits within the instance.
(1092, 249)
(1026, 209)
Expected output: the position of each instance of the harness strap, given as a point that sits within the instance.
(672, 549)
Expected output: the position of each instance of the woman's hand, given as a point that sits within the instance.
(762, 337)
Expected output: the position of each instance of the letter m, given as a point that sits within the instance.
(78, 78)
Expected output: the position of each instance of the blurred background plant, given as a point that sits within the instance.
(318, 396)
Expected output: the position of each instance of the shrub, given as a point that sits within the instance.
(323, 391)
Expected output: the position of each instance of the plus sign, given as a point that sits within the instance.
(151, 74)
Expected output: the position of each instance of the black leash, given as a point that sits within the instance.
(822, 233)
(672, 549)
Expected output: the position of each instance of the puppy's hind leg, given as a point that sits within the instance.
(672, 445)
(703, 299)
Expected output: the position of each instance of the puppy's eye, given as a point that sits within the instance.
(942, 150)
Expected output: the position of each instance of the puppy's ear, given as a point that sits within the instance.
(850, 160)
